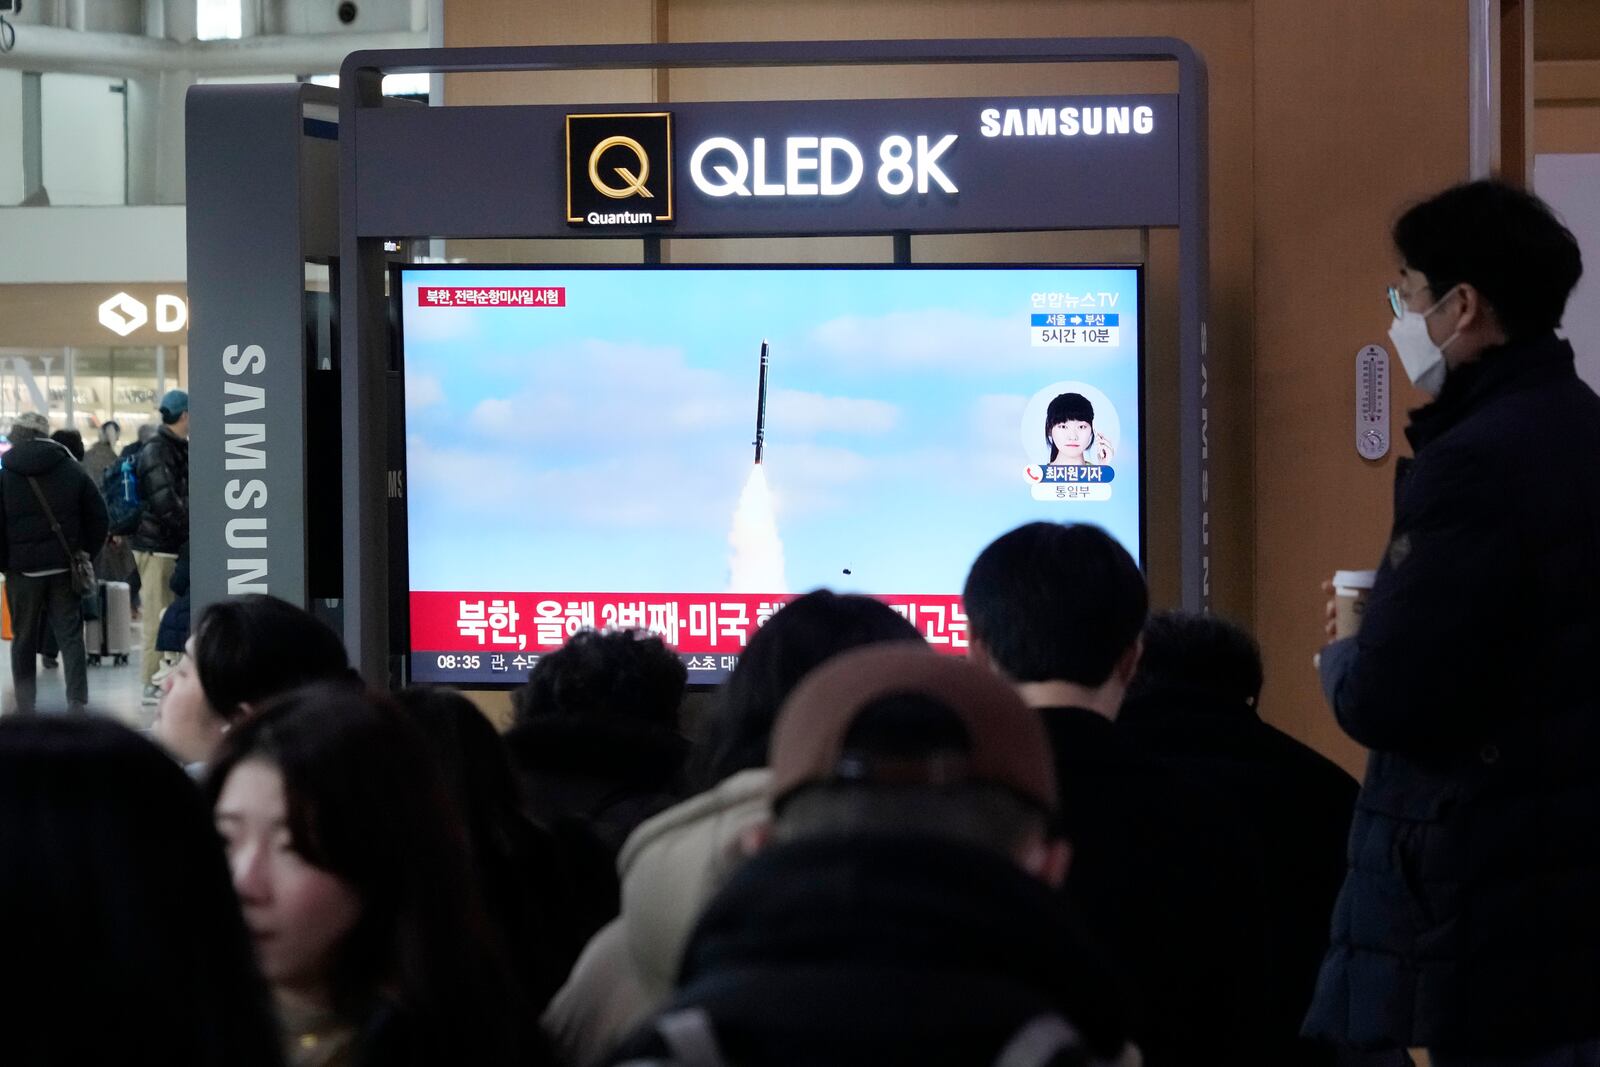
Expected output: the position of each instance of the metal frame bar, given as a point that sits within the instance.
(364, 312)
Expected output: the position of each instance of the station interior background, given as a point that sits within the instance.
(1326, 119)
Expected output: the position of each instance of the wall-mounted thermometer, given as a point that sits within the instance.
(1372, 402)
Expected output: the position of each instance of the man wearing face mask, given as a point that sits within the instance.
(1468, 921)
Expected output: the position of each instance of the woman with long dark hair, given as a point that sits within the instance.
(526, 885)
(120, 938)
(351, 865)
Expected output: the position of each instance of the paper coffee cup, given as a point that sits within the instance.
(1350, 591)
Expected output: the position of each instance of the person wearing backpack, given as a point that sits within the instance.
(49, 510)
(162, 477)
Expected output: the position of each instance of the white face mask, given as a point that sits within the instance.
(1422, 359)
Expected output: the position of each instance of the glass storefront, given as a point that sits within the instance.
(85, 387)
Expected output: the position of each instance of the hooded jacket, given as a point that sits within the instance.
(162, 469)
(1468, 918)
(885, 951)
(27, 543)
(671, 866)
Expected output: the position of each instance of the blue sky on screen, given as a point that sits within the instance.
(602, 446)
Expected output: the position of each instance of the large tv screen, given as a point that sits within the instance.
(682, 449)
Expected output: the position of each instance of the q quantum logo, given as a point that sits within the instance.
(619, 169)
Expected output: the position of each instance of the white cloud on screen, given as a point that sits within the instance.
(942, 339)
(598, 393)
(601, 393)
(436, 324)
(423, 391)
(792, 411)
(508, 485)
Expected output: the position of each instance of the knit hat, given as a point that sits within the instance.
(31, 421)
(1006, 741)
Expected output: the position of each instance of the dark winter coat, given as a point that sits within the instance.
(885, 951)
(174, 632)
(1169, 874)
(1300, 804)
(591, 779)
(162, 470)
(27, 543)
(610, 772)
(1469, 918)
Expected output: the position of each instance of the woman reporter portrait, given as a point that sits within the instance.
(1069, 431)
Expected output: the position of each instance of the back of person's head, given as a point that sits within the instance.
(1202, 655)
(1504, 242)
(120, 933)
(525, 886)
(625, 674)
(71, 440)
(28, 426)
(174, 406)
(146, 432)
(366, 803)
(473, 758)
(254, 647)
(896, 740)
(1055, 602)
(802, 635)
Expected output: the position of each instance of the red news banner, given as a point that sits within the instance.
(474, 296)
(692, 623)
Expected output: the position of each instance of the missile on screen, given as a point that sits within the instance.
(761, 405)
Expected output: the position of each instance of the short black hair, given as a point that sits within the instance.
(1504, 242)
(627, 673)
(1066, 407)
(71, 440)
(1056, 602)
(258, 646)
(1199, 654)
(800, 637)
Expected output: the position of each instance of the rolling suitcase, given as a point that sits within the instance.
(111, 635)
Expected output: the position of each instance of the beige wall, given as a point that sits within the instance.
(59, 315)
(1566, 51)
(1325, 120)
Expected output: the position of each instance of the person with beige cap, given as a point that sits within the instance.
(900, 907)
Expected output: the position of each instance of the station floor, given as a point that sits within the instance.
(113, 691)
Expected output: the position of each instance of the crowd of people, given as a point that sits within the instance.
(125, 515)
(1079, 844)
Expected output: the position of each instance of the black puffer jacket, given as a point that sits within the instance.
(887, 951)
(163, 473)
(27, 543)
(1469, 917)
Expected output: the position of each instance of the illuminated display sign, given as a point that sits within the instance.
(780, 167)
(619, 169)
(124, 314)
